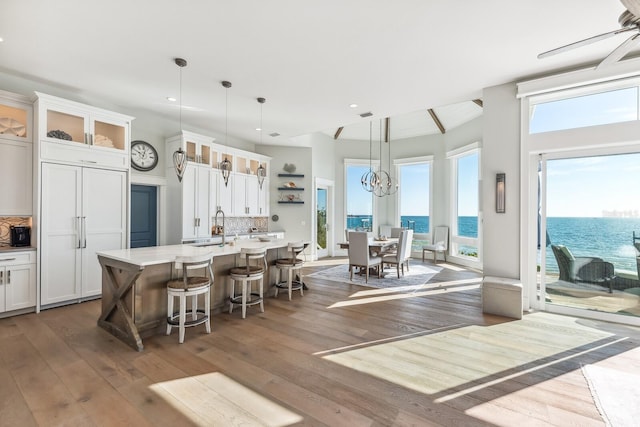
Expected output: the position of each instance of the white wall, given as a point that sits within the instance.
(294, 219)
(501, 153)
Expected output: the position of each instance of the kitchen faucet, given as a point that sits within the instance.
(224, 241)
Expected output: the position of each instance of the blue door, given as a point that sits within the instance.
(144, 205)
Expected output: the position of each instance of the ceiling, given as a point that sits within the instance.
(310, 60)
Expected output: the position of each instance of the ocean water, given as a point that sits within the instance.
(467, 225)
(608, 238)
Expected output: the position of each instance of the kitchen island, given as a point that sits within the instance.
(134, 295)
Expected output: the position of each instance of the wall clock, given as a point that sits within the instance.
(143, 156)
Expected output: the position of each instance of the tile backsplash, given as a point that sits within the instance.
(243, 225)
(6, 222)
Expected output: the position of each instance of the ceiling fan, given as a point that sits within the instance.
(629, 21)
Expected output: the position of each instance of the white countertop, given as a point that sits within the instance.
(165, 254)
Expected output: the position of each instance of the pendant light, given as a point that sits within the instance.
(370, 179)
(225, 165)
(261, 172)
(179, 156)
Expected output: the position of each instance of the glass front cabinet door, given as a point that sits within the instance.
(67, 126)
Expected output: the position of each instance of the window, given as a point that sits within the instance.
(414, 198)
(465, 174)
(605, 107)
(358, 201)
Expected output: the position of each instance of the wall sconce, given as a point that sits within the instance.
(500, 190)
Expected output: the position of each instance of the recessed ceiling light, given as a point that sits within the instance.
(258, 129)
(353, 105)
(1, 39)
(171, 98)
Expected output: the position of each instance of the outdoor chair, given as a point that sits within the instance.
(583, 269)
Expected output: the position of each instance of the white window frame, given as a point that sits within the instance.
(397, 163)
(360, 162)
(614, 138)
(454, 239)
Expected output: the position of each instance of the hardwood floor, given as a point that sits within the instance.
(342, 355)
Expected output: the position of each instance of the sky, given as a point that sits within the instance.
(587, 186)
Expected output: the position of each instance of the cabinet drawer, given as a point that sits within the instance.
(16, 258)
(83, 154)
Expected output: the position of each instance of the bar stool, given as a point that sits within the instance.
(254, 269)
(190, 286)
(290, 265)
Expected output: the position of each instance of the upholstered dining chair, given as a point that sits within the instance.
(401, 257)
(360, 256)
(440, 243)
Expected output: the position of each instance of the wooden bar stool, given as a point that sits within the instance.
(291, 265)
(190, 286)
(254, 269)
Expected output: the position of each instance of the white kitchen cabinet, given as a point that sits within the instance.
(77, 133)
(16, 178)
(263, 199)
(16, 155)
(196, 202)
(83, 211)
(17, 280)
(198, 148)
(225, 194)
(16, 117)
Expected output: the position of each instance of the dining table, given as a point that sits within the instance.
(376, 245)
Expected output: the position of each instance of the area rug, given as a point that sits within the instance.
(417, 275)
(616, 394)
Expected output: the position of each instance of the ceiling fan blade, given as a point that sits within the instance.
(632, 6)
(585, 42)
(620, 51)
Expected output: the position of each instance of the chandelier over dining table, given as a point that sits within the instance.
(379, 182)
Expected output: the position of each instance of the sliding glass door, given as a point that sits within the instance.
(589, 233)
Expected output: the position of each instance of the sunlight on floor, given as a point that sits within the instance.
(215, 399)
(457, 361)
(388, 294)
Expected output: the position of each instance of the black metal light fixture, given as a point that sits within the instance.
(179, 156)
(500, 193)
(225, 165)
(261, 172)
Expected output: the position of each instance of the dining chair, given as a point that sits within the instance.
(401, 257)
(360, 256)
(440, 243)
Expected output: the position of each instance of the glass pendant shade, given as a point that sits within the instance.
(179, 156)
(262, 173)
(225, 168)
(180, 162)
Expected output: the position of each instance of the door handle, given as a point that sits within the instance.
(79, 230)
(84, 231)
(8, 277)
(1, 277)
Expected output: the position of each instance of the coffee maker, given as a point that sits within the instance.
(20, 235)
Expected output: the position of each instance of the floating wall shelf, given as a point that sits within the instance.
(291, 175)
(292, 202)
(291, 188)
